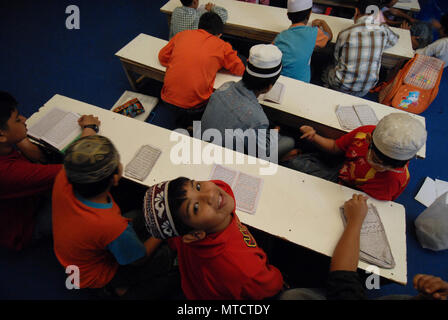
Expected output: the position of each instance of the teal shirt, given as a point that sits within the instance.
(297, 46)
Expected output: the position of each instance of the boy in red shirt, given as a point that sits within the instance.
(90, 232)
(192, 59)
(375, 157)
(25, 179)
(218, 257)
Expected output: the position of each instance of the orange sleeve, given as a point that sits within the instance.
(232, 62)
(165, 52)
(321, 39)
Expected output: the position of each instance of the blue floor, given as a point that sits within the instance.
(39, 57)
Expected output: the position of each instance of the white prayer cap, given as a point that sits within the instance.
(299, 5)
(265, 61)
(399, 136)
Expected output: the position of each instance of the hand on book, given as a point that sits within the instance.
(355, 209)
(85, 120)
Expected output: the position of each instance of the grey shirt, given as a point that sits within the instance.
(233, 107)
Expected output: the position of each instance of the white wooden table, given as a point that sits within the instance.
(302, 101)
(263, 23)
(294, 206)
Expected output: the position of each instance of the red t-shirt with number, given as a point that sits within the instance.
(226, 265)
(357, 172)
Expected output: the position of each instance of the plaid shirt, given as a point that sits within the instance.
(186, 18)
(358, 53)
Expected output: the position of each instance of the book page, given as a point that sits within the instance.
(225, 174)
(427, 193)
(374, 246)
(276, 93)
(38, 129)
(63, 132)
(347, 117)
(141, 165)
(366, 115)
(441, 187)
(247, 192)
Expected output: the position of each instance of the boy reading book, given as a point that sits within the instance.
(25, 179)
(218, 257)
(375, 158)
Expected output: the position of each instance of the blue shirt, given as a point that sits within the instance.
(297, 46)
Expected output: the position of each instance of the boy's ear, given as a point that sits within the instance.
(194, 236)
(115, 179)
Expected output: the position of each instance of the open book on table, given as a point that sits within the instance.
(246, 188)
(275, 94)
(352, 117)
(57, 129)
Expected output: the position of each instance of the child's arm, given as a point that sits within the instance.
(165, 52)
(433, 286)
(325, 144)
(346, 254)
(398, 13)
(322, 25)
(220, 11)
(31, 151)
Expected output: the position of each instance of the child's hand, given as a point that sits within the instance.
(317, 23)
(405, 26)
(308, 133)
(430, 285)
(85, 120)
(209, 6)
(355, 209)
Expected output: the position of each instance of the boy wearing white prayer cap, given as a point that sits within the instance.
(235, 106)
(298, 42)
(375, 158)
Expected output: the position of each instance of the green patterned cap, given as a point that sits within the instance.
(90, 159)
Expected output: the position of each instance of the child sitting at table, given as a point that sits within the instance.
(187, 17)
(90, 232)
(375, 158)
(298, 42)
(26, 179)
(218, 257)
(192, 58)
(355, 73)
(439, 48)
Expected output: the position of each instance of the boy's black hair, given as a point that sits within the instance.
(444, 23)
(176, 196)
(388, 161)
(258, 84)
(363, 4)
(211, 23)
(7, 106)
(186, 3)
(299, 16)
(89, 190)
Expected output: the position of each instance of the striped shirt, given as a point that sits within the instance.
(358, 53)
(186, 18)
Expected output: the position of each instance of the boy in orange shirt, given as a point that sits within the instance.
(89, 231)
(193, 58)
